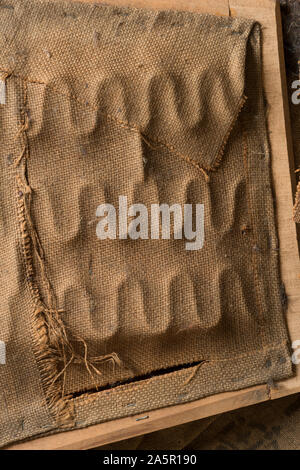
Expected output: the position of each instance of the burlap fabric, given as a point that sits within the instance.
(162, 107)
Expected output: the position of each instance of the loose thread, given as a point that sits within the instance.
(193, 374)
(52, 341)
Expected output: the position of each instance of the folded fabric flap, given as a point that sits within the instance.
(186, 98)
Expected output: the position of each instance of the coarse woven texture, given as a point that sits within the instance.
(272, 425)
(103, 102)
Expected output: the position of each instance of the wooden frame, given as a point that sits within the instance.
(267, 12)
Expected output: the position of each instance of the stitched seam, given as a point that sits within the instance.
(253, 252)
(119, 122)
(27, 242)
(134, 128)
(216, 164)
(44, 355)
